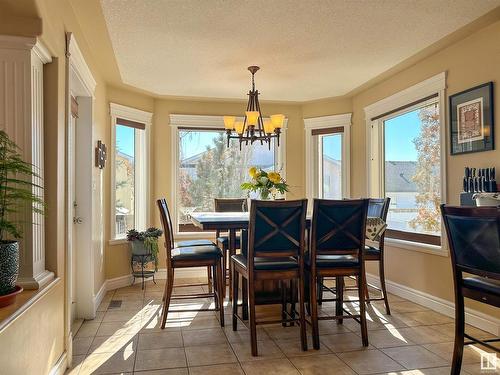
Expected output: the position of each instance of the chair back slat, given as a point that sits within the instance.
(230, 204)
(276, 228)
(166, 223)
(338, 227)
(474, 239)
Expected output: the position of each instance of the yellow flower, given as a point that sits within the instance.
(274, 177)
(253, 172)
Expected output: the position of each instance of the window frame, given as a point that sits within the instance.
(404, 101)
(142, 183)
(312, 152)
(216, 123)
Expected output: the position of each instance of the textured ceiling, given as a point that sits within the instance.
(307, 49)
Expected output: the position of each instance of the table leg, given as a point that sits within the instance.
(232, 251)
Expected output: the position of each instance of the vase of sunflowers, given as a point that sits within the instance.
(266, 184)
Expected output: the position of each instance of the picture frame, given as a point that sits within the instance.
(472, 120)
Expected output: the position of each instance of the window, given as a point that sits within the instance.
(205, 168)
(412, 177)
(130, 170)
(208, 169)
(406, 161)
(327, 145)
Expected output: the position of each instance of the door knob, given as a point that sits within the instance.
(77, 220)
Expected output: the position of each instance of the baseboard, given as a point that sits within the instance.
(61, 365)
(100, 294)
(473, 317)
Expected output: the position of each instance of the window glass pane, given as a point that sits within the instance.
(125, 180)
(412, 170)
(208, 169)
(331, 166)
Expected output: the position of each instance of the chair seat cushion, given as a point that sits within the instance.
(195, 243)
(224, 241)
(372, 251)
(268, 264)
(483, 284)
(196, 253)
(334, 261)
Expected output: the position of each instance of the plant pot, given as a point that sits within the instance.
(10, 298)
(9, 266)
(138, 248)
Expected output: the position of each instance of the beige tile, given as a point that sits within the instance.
(321, 364)
(76, 365)
(210, 355)
(472, 353)
(343, 342)
(406, 307)
(122, 316)
(226, 369)
(329, 327)
(160, 359)
(160, 340)
(429, 317)
(113, 344)
(81, 345)
(108, 363)
(270, 367)
(266, 350)
(413, 357)
(88, 329)
(423, 335)
(370, 362)
(118, 328)
(293, 348)
(388, 338)
(243, 334)
(278, 332)
(171, 371)
(425, 371)
(475, 369)
(132, 304)
(449, 330)
(212, 336)
(198, 322)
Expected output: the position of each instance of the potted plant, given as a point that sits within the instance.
(265, 183)
(145, 243)
(16, 194)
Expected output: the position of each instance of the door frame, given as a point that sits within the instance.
(81, 84)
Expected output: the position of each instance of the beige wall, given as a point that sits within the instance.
(469, 62)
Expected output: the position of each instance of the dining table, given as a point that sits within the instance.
(232, 222)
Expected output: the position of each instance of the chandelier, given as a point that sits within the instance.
(254, 127)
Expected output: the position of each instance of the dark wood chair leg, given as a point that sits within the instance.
(313, 296)
(221, 284)
(302, 313)
(215, 286)
(362, 310)
(382, 285)
(253, 325)
(224, 269)
(244, 297)
(283, 289)
(320, 290)
(339, 304)
(235, 288)
(367, 294)
(458, 349)
(210, 278)
(169, 286)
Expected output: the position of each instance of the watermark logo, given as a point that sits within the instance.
(488, 361)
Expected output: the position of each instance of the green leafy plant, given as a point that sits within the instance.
(150, 239)
(16, 188)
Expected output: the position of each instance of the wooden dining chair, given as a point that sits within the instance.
(378, 207)
(222, 239)
(185, 257)
(474, 239)
(275, 251)
(337, 250)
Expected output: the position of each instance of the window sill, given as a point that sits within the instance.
(24, 301)
(417, 246)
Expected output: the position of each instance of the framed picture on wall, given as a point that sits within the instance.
(472, 120)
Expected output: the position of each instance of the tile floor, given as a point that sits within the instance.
(127, 340)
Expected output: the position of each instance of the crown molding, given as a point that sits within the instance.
(129, 113)
(204, 121)
(328, 121)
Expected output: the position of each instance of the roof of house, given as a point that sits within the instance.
(398, 176)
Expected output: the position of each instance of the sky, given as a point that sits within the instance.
(399, 133)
